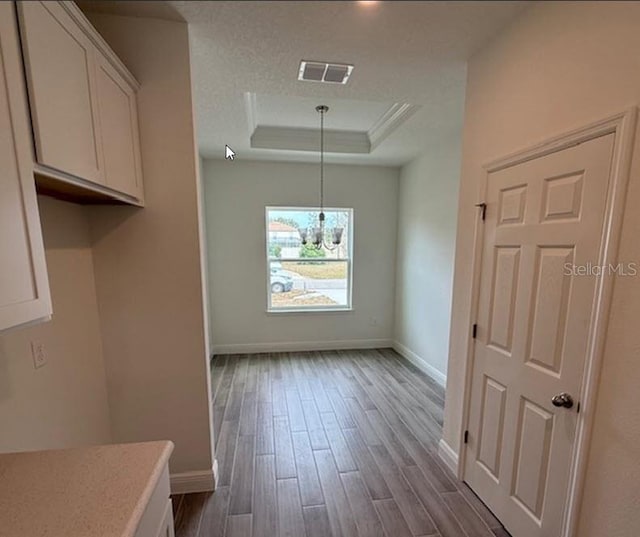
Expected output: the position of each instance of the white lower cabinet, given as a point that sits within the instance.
(157, 520)
(24, 286)
(113, 490)
(166, 528)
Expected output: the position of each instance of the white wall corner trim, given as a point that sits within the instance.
(448, 456)
(252, 112)
(196, 481)
(420, 363)
(299, 346)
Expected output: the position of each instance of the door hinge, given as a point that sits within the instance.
(474, 331)
(483, 209)
(466, 437)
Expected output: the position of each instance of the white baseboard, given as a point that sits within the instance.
(448, 456)
(197, 481)
(295, 346)
(420, 363)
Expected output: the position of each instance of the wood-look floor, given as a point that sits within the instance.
(321, 444)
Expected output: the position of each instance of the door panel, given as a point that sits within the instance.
(562, 198)
(504, 294)
(491, 430)
(532, 456)
(549, 307)
(543, 216)
(511, 205)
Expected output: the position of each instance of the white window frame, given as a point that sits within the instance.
(349, 261)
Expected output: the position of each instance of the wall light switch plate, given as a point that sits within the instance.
(39, 354)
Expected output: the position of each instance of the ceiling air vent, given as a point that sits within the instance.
(332, 73)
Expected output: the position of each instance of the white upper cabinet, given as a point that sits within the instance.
(83, 104)
(119, 126)
(60, 62)
(24, 288)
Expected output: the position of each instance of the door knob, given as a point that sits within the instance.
(562, 399)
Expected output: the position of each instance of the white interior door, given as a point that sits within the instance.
(543, 218)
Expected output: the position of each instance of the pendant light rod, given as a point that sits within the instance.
(322, 109)
(318, 233)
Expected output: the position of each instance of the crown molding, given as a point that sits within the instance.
(299, 139)
(395, 116)
(336, 141)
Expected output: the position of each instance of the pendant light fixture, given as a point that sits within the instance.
(318, 238)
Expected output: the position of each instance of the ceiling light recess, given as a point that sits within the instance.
(328, 72)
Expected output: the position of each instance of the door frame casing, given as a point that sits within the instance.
(622, 125)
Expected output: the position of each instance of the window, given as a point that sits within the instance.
(303, 277)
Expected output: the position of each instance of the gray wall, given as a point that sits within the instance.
(64, 403)
(236, 194)
(147, 261)
(427, 214)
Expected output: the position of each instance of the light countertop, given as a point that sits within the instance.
(98, 491)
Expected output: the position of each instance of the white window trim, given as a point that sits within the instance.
(309, 309)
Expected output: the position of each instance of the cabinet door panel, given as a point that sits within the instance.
(157, 519)
(119, 130)
(59, 61)
(24, 289)
(166, 528)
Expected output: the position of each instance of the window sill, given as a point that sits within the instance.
(280, 311)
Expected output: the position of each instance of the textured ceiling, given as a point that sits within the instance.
(412, 52)
(403, 52)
